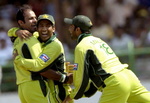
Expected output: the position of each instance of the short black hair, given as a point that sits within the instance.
(20, 13)
(84, 31)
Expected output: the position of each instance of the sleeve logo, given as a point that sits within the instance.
(75, 66)
(44, 57)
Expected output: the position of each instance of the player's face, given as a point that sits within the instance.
(30, 21)
(45, 29)
(72, 31)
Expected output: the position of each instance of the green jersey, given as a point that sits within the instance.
(51, 57)
(34, 47)
(52, 52)
(94, 60)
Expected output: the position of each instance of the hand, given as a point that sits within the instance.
(69, 67)
(67, 99)
(70, 78)
(23, 34)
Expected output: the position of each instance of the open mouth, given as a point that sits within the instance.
(44, 33)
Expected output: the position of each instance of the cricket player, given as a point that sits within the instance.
(32, 86)
(28, 89)
(97, 62)
(52, 56)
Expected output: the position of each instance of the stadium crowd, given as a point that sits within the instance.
(118, 22)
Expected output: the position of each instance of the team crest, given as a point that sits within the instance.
(75, 66)
(44, 57)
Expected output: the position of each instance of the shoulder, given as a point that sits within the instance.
(55, 44)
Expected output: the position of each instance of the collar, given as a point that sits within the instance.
(81, 36)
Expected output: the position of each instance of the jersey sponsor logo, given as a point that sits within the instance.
(44, 57)
(75, 66)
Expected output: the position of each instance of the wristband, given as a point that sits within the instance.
(66, 79)
(63, 78)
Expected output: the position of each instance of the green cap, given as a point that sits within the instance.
(80, 21)
(46, 17)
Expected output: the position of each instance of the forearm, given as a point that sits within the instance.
(30, 64)
(55, 75)
(51, 74)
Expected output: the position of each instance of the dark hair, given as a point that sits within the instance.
(20, 13)
(84, 31)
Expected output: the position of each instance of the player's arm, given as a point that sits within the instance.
(45, 58)
(46, 72)
(58, 76)
(12, 33)
(80, 75)
(17, 32)
(23, 34)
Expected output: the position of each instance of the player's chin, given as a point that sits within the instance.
(44, 37)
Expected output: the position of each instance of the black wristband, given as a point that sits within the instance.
(66, 79)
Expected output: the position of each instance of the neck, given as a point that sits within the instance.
(81, 36)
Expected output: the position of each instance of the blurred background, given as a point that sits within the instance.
(123, 24)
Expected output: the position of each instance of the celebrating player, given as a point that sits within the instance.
(97, 62)
(51, 57)
(32, 86)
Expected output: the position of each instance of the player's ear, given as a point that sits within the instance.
(53, 29)
(20, 22)
(78, 29)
